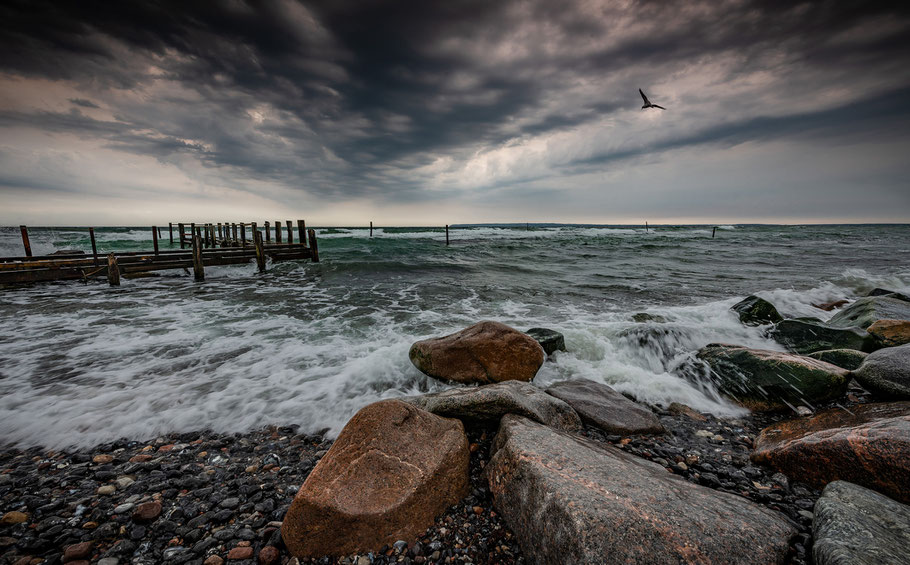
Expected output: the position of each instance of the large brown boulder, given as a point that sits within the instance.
(568, 499)
(764, 380)
(602, 407)
(868, 445)
(487, 352)
(393, 469)
(891, 333)
(487, 404)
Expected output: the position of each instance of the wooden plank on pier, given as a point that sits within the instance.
(113, 271)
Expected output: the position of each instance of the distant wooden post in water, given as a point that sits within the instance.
(371, 229)
(290, 233)
(91, 235)
(170, 231)
(113, 271)
(714, 231)
(155, 239)
(260, 253)
(646, 227)
(314, 248)
(28, 246)
(447, 234)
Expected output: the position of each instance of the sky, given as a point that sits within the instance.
(410, 112)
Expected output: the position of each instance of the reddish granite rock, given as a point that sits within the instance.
(869, 446)
(487, 352)
(77, 552)
(147, 512)
(268, 555)
(890, 333)
(568, 499)
(240, 553)
(393, 469)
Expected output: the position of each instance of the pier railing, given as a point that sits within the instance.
(205, 244)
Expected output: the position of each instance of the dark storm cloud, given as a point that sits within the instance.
(358, 97)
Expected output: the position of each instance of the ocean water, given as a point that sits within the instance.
(309, 344)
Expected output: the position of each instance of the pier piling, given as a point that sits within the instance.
(155, 239)
(314, 248)
(371, 229)
(714, 231)
(198, 268)
(25, 242)
(290, 233)
(91, 235)
(170, 232)
(182, 237)
(242, 234)
(260, 253)
(113, 270)
(268, 234)
(301, 231)
(278, 231)
(447, 234)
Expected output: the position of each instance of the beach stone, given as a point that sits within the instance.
(568, 499)
(487, 352)
(107, 490)
(392, 470)
(213, 560)
(124, 508)
(807, 335)
(869, 446)
(866, 311)
(891, 333)
(240, 553)
(856, 526)
(147, 512)
(14, 517)
(755, 311)
(102, 459)
(763, 380)
(849, 359)
(679, 409)
(551, 340)
(77, 552)
(268, 555)
(886, 372)
(487, 404)
(604, 408)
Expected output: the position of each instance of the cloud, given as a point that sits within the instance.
(414, 101)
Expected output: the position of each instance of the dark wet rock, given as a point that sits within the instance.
(644, 317)
(764, 380)
(886, 373)
(866, 311)
(488, 403)
(79, 551)
(147, 512)
(805, 335)
(487, 352)
(604, 408)
(551, 340)
(857, 526)
(889, 293)
(391, 471)
(571, 500)
(849, 359)
(755, 311)
(868, 445)
(890, 333)
(832, 305)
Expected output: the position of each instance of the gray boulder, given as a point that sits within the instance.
(755, 311)
(487, 404)
(886, 372)
(857, 526)
(891, 293)
(807, 335)
(849, 359)
(866, 311)
(568, 499)
(550, 340)
(602, 407)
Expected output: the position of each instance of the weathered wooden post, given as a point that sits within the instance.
(198, 267)
(290, 233)
(182, 237)
(278, 231)
(447, 234)
(646, 227)
(159, 232)
(113, 271)
(91, 235)
(371, 229)
(242, 234)
(268, 234)
(301, 231)
(170, 231)
(260, 252)
(234, 234)
(155, 239)
(25, 242)
(313, 247)
(714, 231)
(255, 229)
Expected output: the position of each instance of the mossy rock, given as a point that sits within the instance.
(755, 311)
(771, 381)
(808, 335)
(849, 359)
(866, 311)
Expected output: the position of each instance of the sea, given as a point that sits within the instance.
(309, 344)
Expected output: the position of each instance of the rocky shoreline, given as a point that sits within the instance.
(507, 472)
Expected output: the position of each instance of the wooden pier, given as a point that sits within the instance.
(201, 245)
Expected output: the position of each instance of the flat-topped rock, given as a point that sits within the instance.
(866, 311)
(602, 407)
(568, 499)
(890, 333)
(488, 403)
(869, 446)
(806, 335)
(886, 373)
(755, 311)
(857, 526)
(485, 353)
(763, 380)
(849, 359)
(551, 340)
(393, 469)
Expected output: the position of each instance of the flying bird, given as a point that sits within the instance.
(647, 103)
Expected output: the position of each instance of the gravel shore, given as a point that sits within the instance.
(211, 498)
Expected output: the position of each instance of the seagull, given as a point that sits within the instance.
(648, 102)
